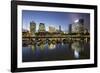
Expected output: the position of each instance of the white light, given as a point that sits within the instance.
(76, 21)
(52, 46)
(76, 54)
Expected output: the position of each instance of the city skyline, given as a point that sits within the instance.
(54, 19)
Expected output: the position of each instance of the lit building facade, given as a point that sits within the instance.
(78, 26)
(52, 29)
(32, 28)
(41, 27)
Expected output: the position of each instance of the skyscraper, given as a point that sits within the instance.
(78, 26)
(32, 28)
(52, 29)
(70, 28)
(59, 28)
(41, 27)
(81, 21)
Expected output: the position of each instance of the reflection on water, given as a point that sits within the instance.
(76, 54)
(52, 46)
(56, 51)
(77, 47)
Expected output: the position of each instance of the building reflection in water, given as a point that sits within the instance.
(46, 51)
(52, 46)
(77, 47)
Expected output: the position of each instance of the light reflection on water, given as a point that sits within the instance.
(59, 51)
(77, 47)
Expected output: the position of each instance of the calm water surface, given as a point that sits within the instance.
(59, 51)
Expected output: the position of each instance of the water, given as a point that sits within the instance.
(59, 51)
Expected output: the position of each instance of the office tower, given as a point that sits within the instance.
(70, 28)
(32, 28)
(59, 28)
(78, 26)
(52, 29)
(41, 27)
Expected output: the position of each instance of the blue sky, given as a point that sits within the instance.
(53, 19)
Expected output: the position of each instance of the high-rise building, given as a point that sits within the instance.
(81, 21)
(41, 27)
(70, 28)
(52, 29)
(59, 28)
(32, 28)
(78, 26)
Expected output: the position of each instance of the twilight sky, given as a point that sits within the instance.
(53, 19)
